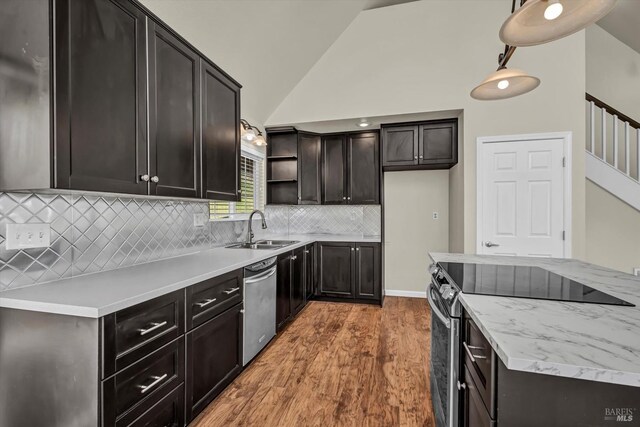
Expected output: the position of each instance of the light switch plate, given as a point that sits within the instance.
(27, 236)
(636, 271)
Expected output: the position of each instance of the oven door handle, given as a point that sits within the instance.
(434, 309)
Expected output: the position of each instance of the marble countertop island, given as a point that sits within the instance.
(96, 295)
(588, 341)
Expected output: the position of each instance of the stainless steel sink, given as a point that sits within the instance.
(263, 244)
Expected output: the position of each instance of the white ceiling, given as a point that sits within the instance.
(624, 23)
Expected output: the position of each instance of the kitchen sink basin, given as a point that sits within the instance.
(263, 244)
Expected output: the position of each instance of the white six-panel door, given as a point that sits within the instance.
(521, 192)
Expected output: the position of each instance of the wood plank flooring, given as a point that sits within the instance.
(337, 364)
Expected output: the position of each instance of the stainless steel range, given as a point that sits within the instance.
(445, 347)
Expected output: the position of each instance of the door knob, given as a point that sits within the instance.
(490, 244)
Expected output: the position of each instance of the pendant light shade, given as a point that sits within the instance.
(542, 21)
(505, 83)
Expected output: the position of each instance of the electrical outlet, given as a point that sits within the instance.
(636, 271)
(435, 215)
(26, 236)
(200, 220)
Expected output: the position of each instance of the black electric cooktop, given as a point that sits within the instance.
(523, 282)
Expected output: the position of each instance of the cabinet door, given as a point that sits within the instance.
(400, 146)
(364, 168)
(101, 96)
(368, 271)
(439, 143)
(220, 135)
(334, 171)
(309, 172)
(336, 269)
(283, 293)
(214, 358)
(174, 115)
(297, 281)
(310, 271)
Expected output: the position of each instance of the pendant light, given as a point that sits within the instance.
(542, 21)
(505, 83)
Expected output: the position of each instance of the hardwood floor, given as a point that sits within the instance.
(337, 364)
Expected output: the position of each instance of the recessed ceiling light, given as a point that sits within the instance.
(363, 123)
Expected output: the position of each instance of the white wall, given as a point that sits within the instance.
(427, 56)
(613, 231)
(411, 233)
(613, 71)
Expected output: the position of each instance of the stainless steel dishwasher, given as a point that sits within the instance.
(259, 307)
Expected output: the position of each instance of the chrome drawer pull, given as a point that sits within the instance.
(156, 381)
(230, 291)
(472, 356)
(152, 328)
(206, 302)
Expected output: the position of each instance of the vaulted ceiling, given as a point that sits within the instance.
(624, 23)
(267, 45)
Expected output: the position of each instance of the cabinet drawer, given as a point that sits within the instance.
(168, 412)
(207, 299)
(480, 360)
(134, 332)
(132, 391)
(475, 413)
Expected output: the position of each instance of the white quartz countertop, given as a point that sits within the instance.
(96, 295)
(576, 340)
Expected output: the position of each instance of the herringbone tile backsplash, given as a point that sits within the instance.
(94, 233)
(362, 220)
(91, 233)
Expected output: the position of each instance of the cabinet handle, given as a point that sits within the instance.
(155, 179)
(461, 386)
(472, 356)
(352, 249)
(357, 249)
(156, 381)
(306, 252)
(421, 157)
(349, 198)
(144, 178)
(415, 157)
(153, 327)
(239, 191)
(206, 302)
(344, 198)
(230, 291)
(299, 198)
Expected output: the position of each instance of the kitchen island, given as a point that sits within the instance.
(557, 362)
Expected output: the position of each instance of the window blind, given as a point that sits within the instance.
(251, 186)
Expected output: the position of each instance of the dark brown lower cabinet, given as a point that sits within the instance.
(290, 297)
(474, 412)
(214, 358)
(350, 270)
(309, 271)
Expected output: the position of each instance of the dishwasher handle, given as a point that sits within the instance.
(261, 276)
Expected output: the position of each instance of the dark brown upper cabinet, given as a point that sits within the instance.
(309, 169)
(364, 168)
(334, 170)
(135, 108)
(399, 146)
(424, 145)
(174, 116)
(351, 168)
(220, 135)
(100, 96)
(282, 166)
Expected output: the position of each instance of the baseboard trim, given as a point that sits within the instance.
(407, 294)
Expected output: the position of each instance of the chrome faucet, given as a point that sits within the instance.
(250, 234)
